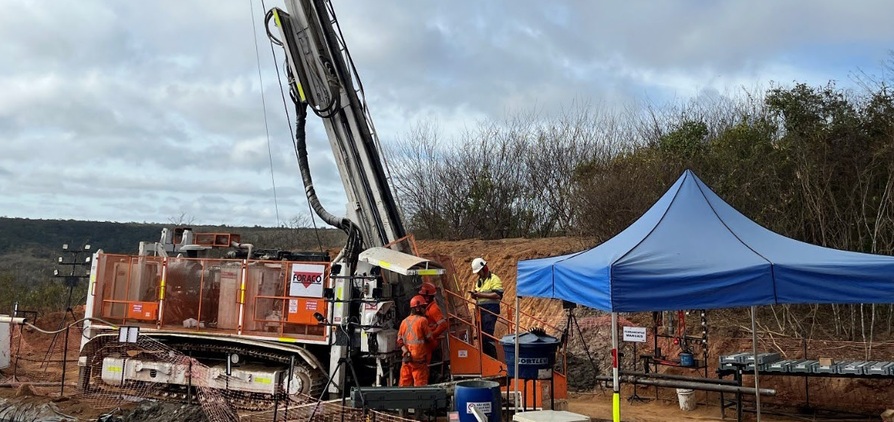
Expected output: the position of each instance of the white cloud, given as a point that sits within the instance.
(142, 111)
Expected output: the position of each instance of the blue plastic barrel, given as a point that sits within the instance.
(537, 355)
(686, 359)
(485, 395)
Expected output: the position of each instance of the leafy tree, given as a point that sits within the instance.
(687, 141)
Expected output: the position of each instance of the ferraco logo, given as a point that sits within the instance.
(306, 279)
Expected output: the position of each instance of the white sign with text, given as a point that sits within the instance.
(635, 334)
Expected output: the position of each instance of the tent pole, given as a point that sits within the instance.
(515, 397)
(616, 384)
(757, 396)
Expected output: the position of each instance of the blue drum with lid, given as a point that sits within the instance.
(484, 395)
(537, 355)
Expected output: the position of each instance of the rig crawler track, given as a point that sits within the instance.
(182, 368)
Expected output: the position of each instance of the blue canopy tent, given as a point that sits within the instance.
(692, 250)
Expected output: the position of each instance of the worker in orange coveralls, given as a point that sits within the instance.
(438, 325)
(436, 321)
(415, 341)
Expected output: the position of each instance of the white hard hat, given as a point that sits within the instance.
(478, 264)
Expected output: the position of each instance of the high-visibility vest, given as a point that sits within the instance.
(491, 284)
(416, 336)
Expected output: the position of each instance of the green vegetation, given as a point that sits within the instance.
(814, 163)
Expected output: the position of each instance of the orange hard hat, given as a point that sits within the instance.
(417, 301)
(427, 289)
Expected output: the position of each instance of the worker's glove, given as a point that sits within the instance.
(407, 358)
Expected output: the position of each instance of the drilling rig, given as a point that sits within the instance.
(272, 323)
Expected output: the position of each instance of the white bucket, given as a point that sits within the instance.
(687, 399)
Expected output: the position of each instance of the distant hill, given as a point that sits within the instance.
(18, 234)
(22, 234)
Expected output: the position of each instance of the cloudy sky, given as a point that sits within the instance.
(152, 111)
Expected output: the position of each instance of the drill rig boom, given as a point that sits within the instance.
(322, 78)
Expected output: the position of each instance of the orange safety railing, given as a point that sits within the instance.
(468, 357)
(234, 296)
(410, 240)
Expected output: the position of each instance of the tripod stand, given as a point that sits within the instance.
(71, 282)
(342, 362)
(635, 396)
(571, 320)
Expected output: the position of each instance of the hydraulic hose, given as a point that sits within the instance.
(342, 223)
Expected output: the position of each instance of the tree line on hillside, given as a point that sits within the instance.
(814, 163)
(44, 238)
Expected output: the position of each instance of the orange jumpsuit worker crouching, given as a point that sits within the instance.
(415, 341)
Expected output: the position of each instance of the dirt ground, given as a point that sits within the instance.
(502, 258)
(43, 371)
(597, 406)
(32, 369)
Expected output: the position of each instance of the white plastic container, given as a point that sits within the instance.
(549, 416)
(5, 341)
(687, 399)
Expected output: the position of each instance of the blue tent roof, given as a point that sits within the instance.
(692, 250)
